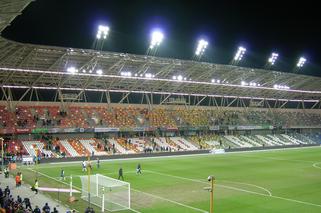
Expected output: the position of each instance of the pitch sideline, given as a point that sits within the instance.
(57, 164)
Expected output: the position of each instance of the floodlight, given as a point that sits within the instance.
(277, 86)
(102, 32)
(72, 70)
(156, 40)
(127, 74)
(243, 83)
(239, 54)
(174, 77)
(84, 71)
(202, 44)
(301, 62)
(179, 77)
(148, 75)
(273, 58)
(213, 80)
(99, 72)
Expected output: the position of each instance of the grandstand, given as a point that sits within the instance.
(84, 112)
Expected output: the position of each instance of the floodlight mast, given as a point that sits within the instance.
(271, 60)
(200, 49)
(238, 55)
(157, 38)
(301, 62)
(101, 36)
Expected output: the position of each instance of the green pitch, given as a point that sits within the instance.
(272, 181)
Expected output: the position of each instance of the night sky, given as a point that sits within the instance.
(292, 29)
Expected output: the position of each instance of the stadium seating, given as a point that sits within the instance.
(26, 116)
(91, 146)
(32, 146)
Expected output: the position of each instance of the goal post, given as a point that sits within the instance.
(108, 193)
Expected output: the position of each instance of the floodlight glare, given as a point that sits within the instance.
(102, 32)
(239, 54)
(273, 58)
(277, 86)
(99, 72)
(148, 75)
(72, 70)
(301, 62)
(243, 83)
(179, 77)
(127, 74)
(156, 40)
(202, 44)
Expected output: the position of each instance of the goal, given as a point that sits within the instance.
(108, 193)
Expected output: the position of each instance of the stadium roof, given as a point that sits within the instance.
(45, 67)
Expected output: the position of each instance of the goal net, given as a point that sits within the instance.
(108, 193)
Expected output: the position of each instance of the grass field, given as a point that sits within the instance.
(272, 181)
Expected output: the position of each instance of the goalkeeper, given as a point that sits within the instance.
(120, 174)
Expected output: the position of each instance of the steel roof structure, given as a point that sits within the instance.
(30, 67)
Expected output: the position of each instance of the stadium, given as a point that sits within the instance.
(208, 137)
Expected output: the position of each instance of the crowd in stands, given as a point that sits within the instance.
(116, 116)
(9, 204)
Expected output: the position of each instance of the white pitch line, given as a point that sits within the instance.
(57, 164)
(315, 165)
(238, 189)
(47, 176)
(248, 184)
(152, 195)
(171, 201)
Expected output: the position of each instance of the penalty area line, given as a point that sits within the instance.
(52, 178)
(238, 189)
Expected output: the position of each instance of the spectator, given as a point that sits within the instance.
(27, 203)
(46, 208)
(7, 191)
(36, 210)
(54, 210)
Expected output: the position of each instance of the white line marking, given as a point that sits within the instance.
(152, 195)
(238, 189)
(279, 159)
(47, 176)
(177, 156)
(315, 165)
(171, 201)
(248, 184)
